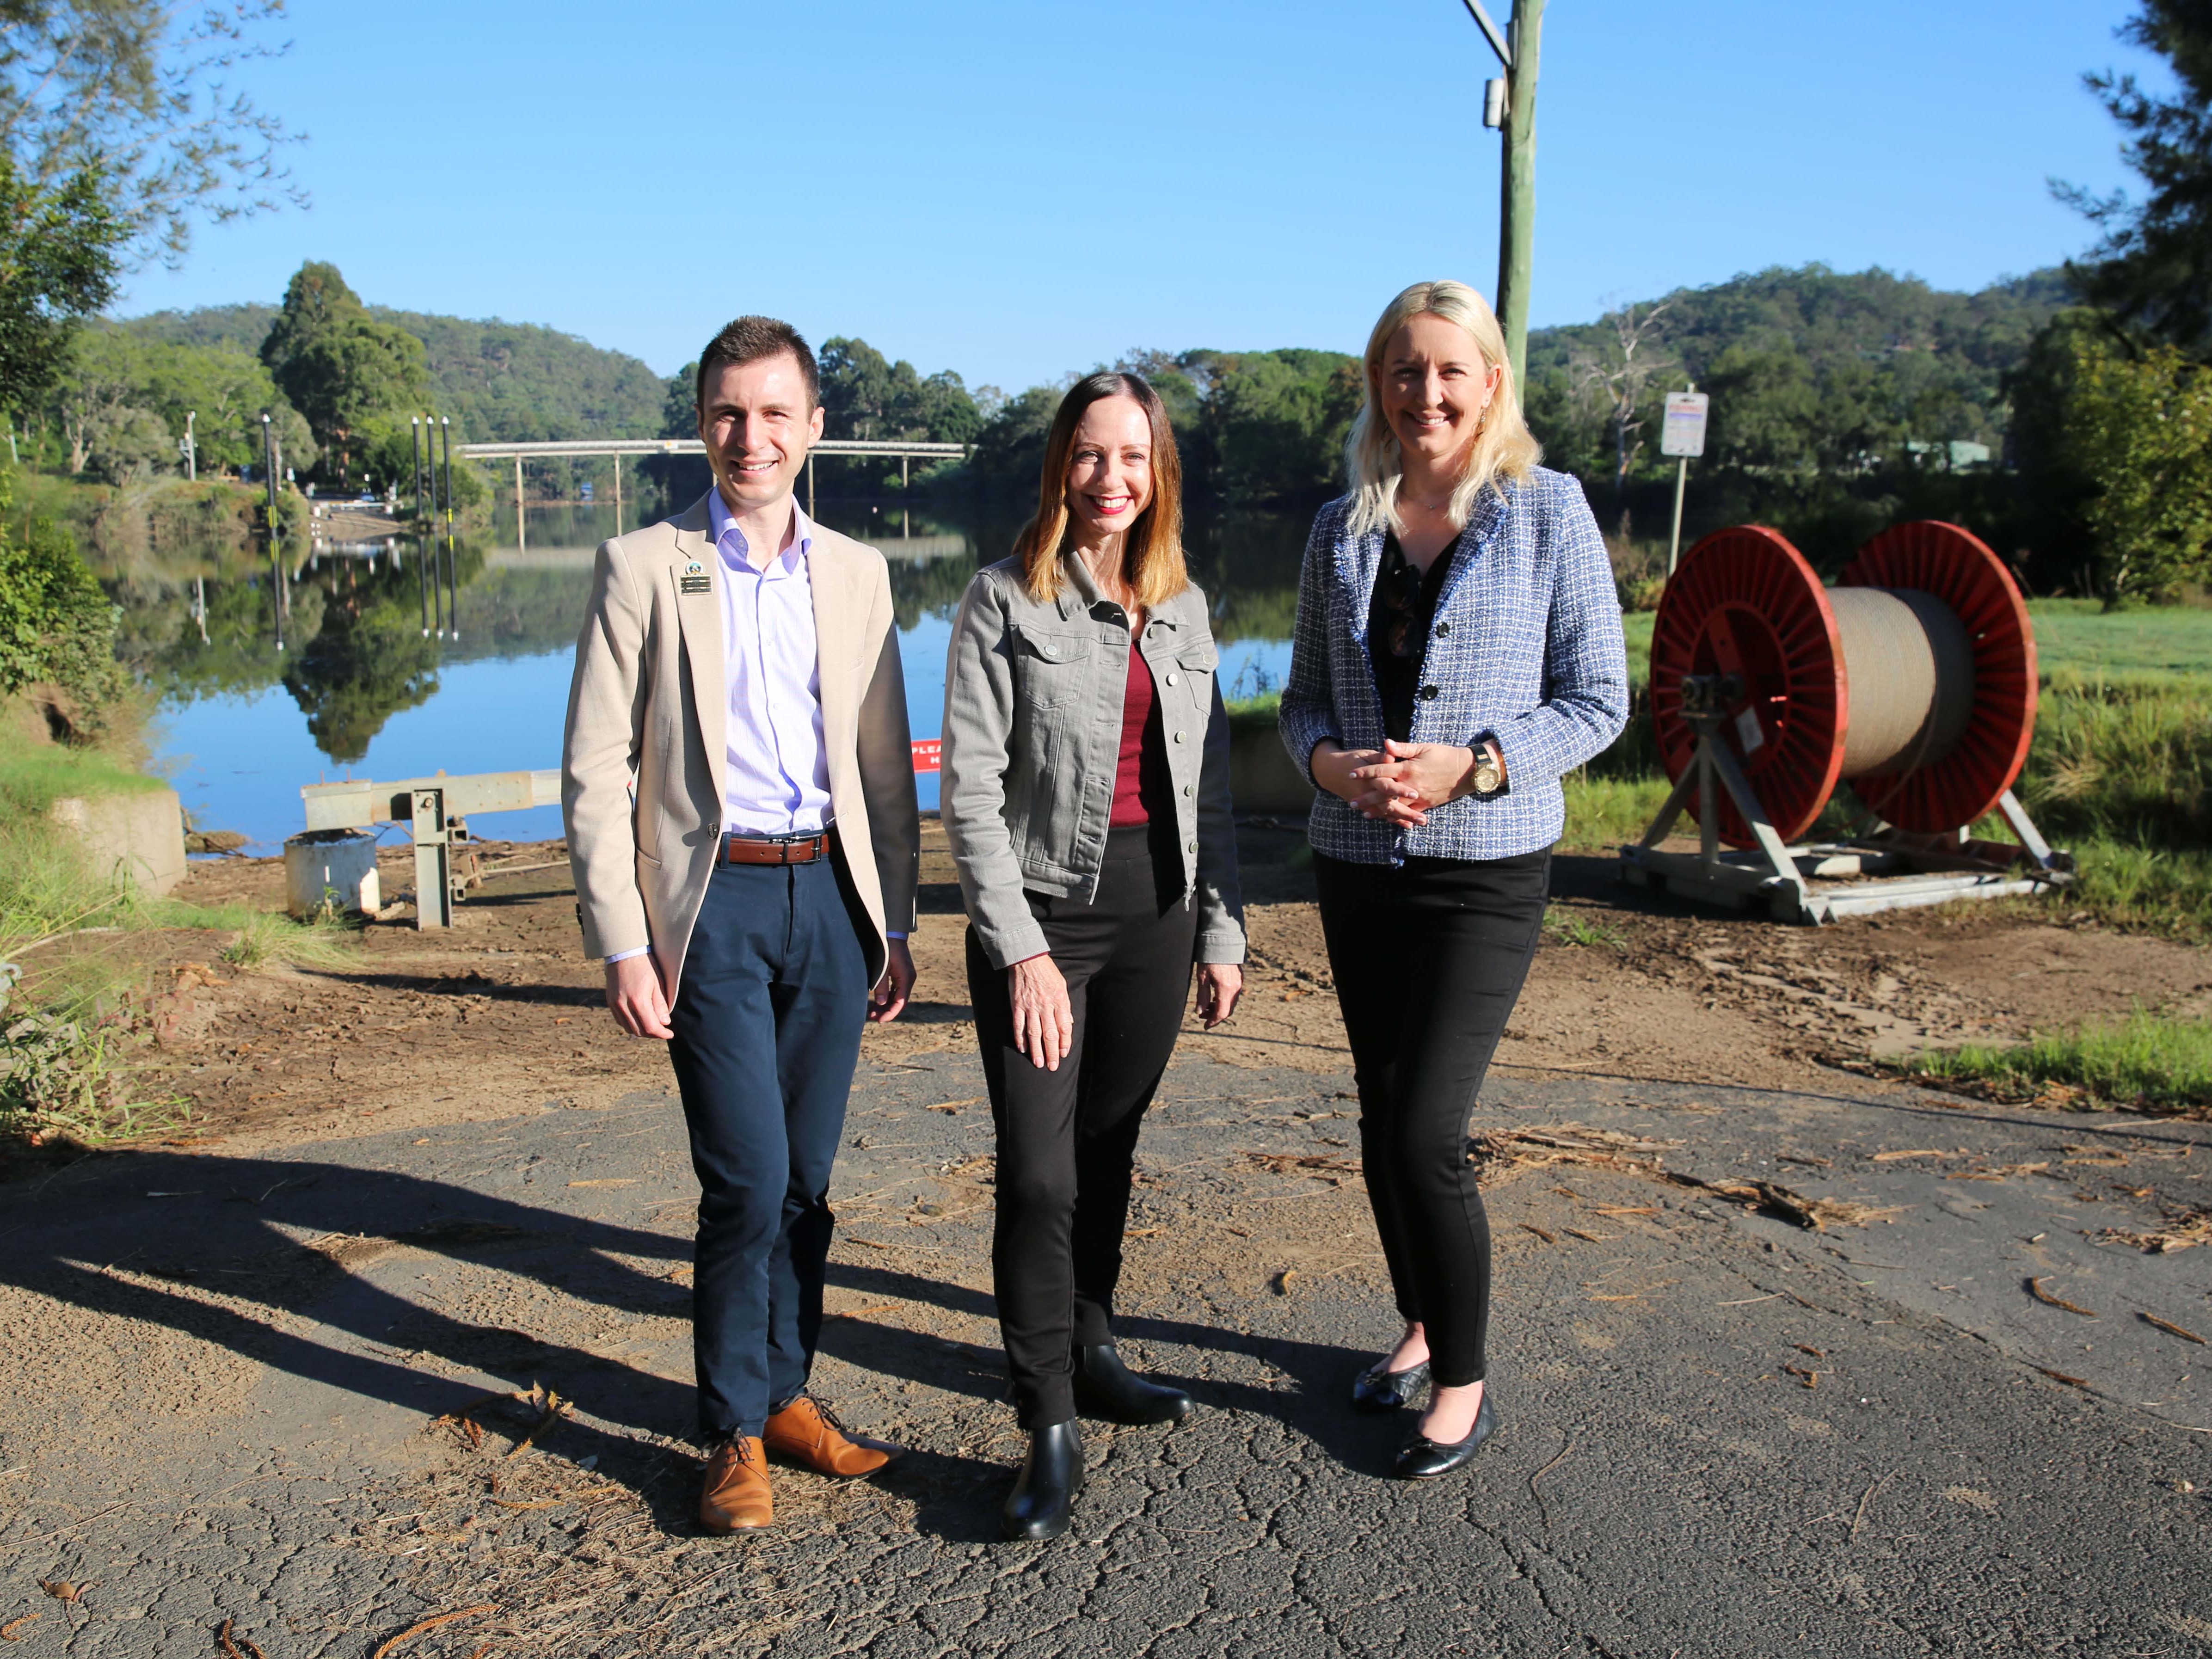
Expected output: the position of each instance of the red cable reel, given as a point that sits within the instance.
(1914, 679)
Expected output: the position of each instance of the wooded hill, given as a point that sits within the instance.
(500, 381)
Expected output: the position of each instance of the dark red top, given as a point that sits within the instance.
(1141, 777)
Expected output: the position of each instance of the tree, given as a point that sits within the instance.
(1010, 451)
(866, 396)
(679, 403)
(349, 374)
(2140, 430)
(60, 253)
(121, 401)
(1277, 421)
(2153, 271)
(124, 86)
(857, 389)
(1618, 378)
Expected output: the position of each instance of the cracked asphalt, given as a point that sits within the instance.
(1722, 1433)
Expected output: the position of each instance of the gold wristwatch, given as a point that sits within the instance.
(1489, 777)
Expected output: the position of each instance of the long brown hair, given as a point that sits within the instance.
(1151, 547)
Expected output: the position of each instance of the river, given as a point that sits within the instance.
(355, 689)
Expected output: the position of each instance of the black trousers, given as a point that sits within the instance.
(1429, 959)
(767, 1030)
(1067, 1140)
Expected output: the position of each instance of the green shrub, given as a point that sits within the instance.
(55, 625)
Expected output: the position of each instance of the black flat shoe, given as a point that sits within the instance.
(1424, 1459)
(1106, 1387)
(1045, 1488)
(1375, 1390)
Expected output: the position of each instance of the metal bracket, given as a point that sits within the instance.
(433, 861)
(1491, 33)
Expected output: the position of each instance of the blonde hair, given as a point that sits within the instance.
(1504, 448)
(1152, 558)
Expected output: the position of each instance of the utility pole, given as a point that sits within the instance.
(1512, 107)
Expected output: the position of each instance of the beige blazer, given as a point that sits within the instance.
(641, 773)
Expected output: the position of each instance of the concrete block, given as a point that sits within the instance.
(140, 837)
(1261, 777)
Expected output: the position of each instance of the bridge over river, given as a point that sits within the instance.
(905, 452)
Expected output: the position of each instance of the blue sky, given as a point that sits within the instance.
(1013, 189)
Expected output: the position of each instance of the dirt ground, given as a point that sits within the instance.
(503, 1015)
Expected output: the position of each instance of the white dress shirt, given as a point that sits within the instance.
(777, 773)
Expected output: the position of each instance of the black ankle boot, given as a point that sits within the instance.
(1045, 1488)
(1106, 1387)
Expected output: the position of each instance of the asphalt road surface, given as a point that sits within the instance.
(1722, 1432)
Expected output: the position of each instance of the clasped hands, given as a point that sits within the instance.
(1399, 783)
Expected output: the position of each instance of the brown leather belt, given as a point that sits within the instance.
(760, 849)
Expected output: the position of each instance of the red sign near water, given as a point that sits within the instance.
(926, 752)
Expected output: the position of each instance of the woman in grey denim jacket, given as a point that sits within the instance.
(1086, 799)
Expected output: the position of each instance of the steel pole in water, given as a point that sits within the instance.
(522, 538)
(276, 564)
(453, 577)
(414, 431)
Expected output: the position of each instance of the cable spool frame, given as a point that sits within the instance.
(1751, 704)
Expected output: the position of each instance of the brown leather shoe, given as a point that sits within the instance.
(736, 1496)
(806, 1433)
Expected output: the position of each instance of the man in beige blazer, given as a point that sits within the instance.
(739, 793)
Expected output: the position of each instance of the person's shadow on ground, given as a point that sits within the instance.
(112, 1234)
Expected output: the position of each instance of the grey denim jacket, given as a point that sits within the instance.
(1033, 696)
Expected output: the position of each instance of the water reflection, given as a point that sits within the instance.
(355, 684)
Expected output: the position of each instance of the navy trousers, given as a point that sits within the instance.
(767, 1030)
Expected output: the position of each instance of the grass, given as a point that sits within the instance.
(2147, 1063)
(266, 936)
(71, 1021)
(2083, 636)
(1571, 927)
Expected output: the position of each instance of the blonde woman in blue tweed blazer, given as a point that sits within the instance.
(1458, 651)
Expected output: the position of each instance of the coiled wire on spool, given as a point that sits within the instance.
(1914, 680)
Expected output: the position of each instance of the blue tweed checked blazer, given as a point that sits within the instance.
(1525, 649)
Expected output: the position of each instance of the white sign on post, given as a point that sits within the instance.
(1683, 431)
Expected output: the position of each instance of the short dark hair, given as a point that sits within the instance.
(748, 340)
